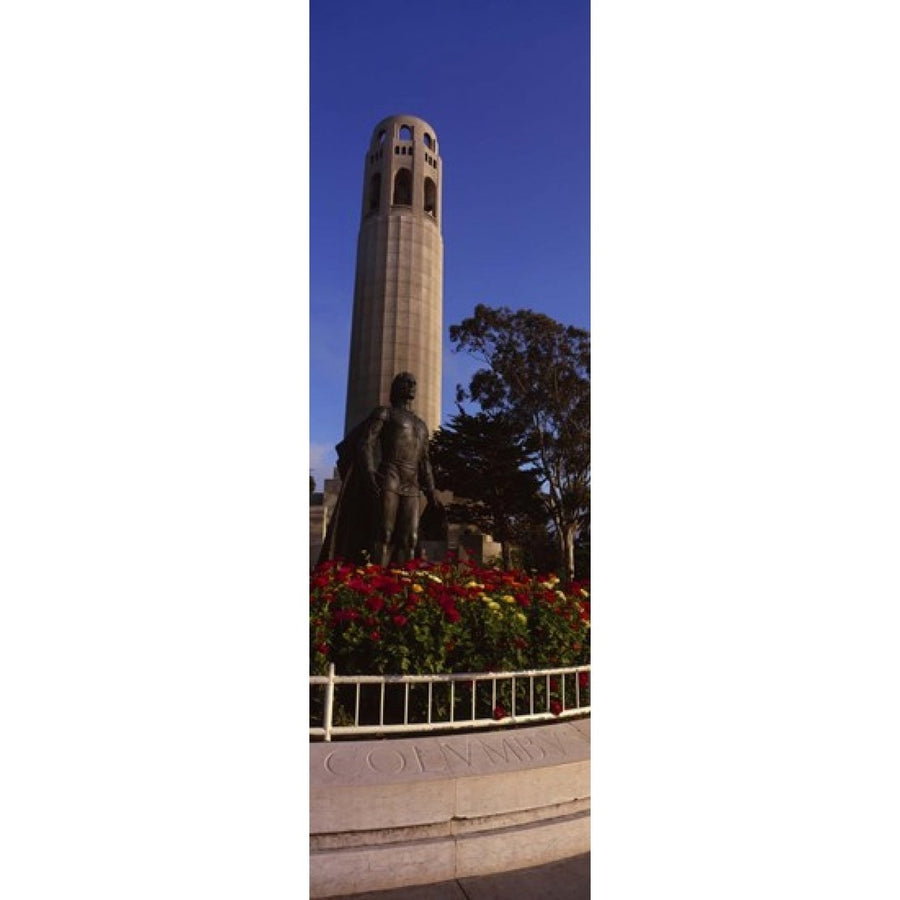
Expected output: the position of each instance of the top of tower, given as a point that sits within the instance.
(404, 128)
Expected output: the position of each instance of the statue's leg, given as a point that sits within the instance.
(384, 529)
(406, 532)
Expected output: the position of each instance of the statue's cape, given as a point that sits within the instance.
(350, 528)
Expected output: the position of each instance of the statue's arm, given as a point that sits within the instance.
(426, 475)
(367, 445)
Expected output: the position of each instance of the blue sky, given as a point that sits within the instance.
(505, 84)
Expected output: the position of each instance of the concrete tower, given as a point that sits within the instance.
(398, 294)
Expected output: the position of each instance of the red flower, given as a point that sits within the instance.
(583, 679)
(358, 584)
(499, 712)
(400, 621)
(449, 608)
(375, 636)
(555, 707)
(342, 571)
(320, 581)
(387, 584)
(374, 602)
(323, 648)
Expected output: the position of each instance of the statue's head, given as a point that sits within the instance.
(403, 388)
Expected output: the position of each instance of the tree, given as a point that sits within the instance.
(537, 375)
(482, 460)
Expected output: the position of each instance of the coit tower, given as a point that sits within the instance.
(398, 292)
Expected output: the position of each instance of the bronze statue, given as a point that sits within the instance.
(384, 466)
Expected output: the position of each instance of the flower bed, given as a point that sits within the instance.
(445, 618)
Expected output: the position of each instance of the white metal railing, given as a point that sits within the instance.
(554, 700)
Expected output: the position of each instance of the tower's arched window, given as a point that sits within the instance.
(375, 192)
(405, 133)
(381, 136)
(427, 139)
(403, 188)
(430, 197)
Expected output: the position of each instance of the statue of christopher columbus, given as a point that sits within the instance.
(384, 468)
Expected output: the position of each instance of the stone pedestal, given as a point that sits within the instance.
(387, 814)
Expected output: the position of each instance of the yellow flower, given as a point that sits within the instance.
(435, 578)
(584, 593)
(508, 598)
(561, 595)
(493, 604)
(417, 589)
(474, 584)
(522, 617)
